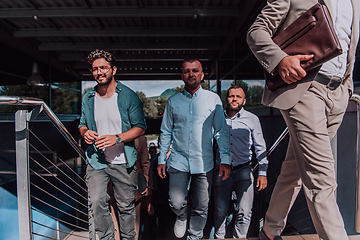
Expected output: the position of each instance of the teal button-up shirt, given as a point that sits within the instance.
(190, 123)
(132, 115)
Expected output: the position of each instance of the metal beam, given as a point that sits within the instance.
(247, 7)
(126, 71)
(237, 65)
(113, 11)
(158, 76)
(133, 72)
(171, 65)
(139, 77)
(13, 75)
(123, 46)
(121, 32)
(174, 56)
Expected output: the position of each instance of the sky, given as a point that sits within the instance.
(155, 88)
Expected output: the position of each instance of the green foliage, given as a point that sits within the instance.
(65, 100)
(253, 94)
(160, 105)
(150, 111)
(85, 91)
(167, 93)
(204, 85)
(179, 89)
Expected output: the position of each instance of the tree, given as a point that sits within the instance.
(160, 104)
(204, 85)
(179, 89)
(150, 111)
(65, 98)
(253, 94)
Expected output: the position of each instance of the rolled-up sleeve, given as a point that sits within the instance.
(136, 112)
(82, 118)
(260, 148)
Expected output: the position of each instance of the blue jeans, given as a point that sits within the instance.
(200, 185)
(124, 185)
(241, 181)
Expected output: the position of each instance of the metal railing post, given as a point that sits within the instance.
(357, 219)
(356, 98)
(23, 176)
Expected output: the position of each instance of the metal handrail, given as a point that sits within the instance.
(22, 158)
(272, 148)
(356, 98)
(28, 101)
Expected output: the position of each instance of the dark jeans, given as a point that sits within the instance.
(241, 181)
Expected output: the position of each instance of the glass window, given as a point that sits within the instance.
(253, 90)
(62, 98)
(153, 94)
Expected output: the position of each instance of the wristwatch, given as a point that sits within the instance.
(118, 138)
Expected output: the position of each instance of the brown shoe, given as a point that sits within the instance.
(262, 236)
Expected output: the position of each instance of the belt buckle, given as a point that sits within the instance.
(333, 81)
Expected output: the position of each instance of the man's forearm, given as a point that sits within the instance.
(131, 134)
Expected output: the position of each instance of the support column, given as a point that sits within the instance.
(218, 82)
(23, 175)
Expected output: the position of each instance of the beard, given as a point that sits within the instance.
(107, 79)
(193, 82)
(236, 108)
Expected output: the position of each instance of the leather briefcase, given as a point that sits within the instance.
(311, 33)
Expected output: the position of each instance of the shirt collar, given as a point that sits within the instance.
(93, 90)
(118, 87)
(187, 94)
(236, 115)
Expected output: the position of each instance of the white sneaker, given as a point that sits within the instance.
(180, 228)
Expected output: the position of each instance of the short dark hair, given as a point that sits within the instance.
(109, 57)
(234, 87)
(191, 59)
(153, 147)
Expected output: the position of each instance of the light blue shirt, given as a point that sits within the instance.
(190, 123)
(245, 131)
(342, 16)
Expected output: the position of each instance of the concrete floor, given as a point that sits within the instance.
(85, 235)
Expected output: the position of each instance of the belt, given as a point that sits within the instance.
(240, 165)
(331, 83)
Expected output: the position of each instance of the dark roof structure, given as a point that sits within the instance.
(149, 37)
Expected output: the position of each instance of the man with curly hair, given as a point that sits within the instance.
(111, 118)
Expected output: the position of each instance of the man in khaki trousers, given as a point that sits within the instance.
(312, 111)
